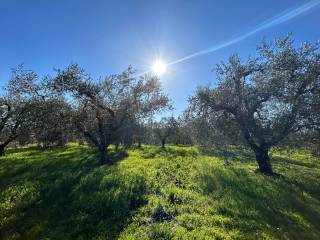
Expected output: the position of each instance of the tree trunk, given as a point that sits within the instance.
(2, 153)
(3, 145)
(263, 160)
(104, 159)
(163, 143)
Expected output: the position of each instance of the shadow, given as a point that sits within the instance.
(170, 152)
(300, 173)
(277, 159)
(261, 203)
(35, 148)
(230, 153)
(118, 154)
(63, 193)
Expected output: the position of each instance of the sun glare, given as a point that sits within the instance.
(159, 67)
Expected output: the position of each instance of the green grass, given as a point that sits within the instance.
(179, 193)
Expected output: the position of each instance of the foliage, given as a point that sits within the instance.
(267, 97)
(165, 128)
(101, 108)
(16, 104)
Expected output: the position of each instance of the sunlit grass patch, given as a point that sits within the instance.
(149, 193)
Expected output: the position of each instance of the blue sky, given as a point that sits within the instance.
(105, 37)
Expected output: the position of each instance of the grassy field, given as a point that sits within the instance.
(179, 193)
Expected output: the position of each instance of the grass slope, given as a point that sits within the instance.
(151, 194)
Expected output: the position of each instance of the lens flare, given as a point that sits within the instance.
(159, 67)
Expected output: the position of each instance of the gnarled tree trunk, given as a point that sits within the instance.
(2, 152)
(104, 158)
(5, 144)
(263, 160)
(163, 143)
(139, 142)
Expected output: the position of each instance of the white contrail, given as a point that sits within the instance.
(276, 20)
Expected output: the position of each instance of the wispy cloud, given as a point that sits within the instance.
(271, 22)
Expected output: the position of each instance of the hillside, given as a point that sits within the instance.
(179, 193)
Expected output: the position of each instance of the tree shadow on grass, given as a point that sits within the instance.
(259, 204)
(230, 153)
(170, 151)
(286, 160)
(118, 155)
(65, 194)
(303, 173)
(32, 148)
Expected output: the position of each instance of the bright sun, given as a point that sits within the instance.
(159, 67)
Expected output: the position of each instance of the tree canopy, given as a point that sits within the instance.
(269, 96)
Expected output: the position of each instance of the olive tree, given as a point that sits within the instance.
(165, 128)
(51, 122)
(269, 96)
(216, 129)
(101, 107)
(19, 98)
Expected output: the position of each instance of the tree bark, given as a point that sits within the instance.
(2, 152)
(3, 145)
(163, 143)
(263, 160)
(104, 159)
